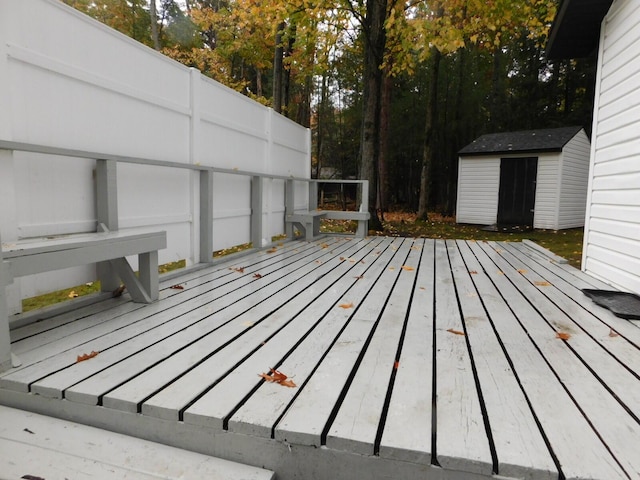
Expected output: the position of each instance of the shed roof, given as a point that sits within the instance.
(525, 141)
(576, 29)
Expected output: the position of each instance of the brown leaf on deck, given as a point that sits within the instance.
(563, 335)
(359, 277)
(396, 365)
(324, 245)
(288, 383)
(275, 376)
(257, 275)
(177, 287)
(613, 333)
(455, 332)
(522, 271)
(473, 272)
(272, 250)
(346, 305)
(86, 356)
(542, 284)
(407, 268)
(239, 269)
(118, 291)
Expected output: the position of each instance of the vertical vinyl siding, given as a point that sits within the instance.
(478, 184)
(612, 239)
(574, 167)
(546, 207)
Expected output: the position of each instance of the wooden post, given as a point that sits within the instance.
(256, 211)
(5, 338)
(313, 195)
(289, 206)
(206, 216)
(107, 215)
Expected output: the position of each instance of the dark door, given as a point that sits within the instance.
(517, 196)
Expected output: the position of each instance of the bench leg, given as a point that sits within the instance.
(129, 278)
(148, 273)
(363, 228)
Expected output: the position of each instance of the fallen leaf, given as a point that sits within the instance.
(422, 288)
(118, 291)
(275, 376)
(257, 275)
(342, 259)
(563, 335)
(177, 287)
(542, 284)
(407, 268)
(455, 332)
(359, 277)
(288, 383)
(319, 262)
(396, 365)
(346, 305)
(72, 294)
(324, 245)
(473, 272)
(272, 250)
(239, 269)
(86, 356)
(500, 272)
(522, 271)
(391, 268)
(613, 333)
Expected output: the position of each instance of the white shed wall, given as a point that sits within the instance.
(68, 81)
(547, 191)
(574, 177)
(478, 185)
(612, 231)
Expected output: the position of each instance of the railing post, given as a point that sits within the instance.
(313, 195)
(365, 196)
(256, 210)
(5, 338)
(206, 216)
(289, 206)
(107, 215)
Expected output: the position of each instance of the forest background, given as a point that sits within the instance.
(391, 89)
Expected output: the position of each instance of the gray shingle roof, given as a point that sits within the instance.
(526, 141)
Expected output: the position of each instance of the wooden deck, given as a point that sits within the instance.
(412, 358)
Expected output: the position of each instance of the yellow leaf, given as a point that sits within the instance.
(346, 305)
(407, 268)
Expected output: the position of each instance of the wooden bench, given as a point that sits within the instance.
(28, 257)
(308, 222)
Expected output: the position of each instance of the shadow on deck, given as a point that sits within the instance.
(412, 359)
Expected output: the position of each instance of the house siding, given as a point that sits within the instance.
(574, 168)
(612, 234)
(478, 184)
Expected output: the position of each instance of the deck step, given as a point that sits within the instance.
(36, 446)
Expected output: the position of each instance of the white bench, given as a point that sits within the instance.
(29, 257)
(308, 222)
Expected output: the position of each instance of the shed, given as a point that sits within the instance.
(611, 247)
(534, 178)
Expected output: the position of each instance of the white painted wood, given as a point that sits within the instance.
(519, 445)
(547, 195)
(457, 406)
(46, 447)
(574, 180)
(356, 424)
(408, 425)
(215, 406)
(260, 413)
(605, 414)
(188, 325)
(608, 252)
(305, 420)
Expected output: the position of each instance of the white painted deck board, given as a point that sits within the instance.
(457, 403)
(512, 400)
(408, 428)
(32, 444)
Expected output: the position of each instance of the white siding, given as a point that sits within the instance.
(574, 171)
(478, 184)
(547, 195)
(612, 233)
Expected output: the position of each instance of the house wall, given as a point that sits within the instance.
(574, 176)
(68, 81)
(478, 185)
(612, 231)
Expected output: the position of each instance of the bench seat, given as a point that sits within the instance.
(308, 222)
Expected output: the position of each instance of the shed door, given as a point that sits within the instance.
(517, 195)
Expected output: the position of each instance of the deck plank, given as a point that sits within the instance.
(276, 312)
(215, 406)
(520, 448)
(356, 424)
(408, 426)
(305, 421)
(260, 413)
(533, 350)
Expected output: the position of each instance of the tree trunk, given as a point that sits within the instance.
(370, 138)
(278, 70)
(154, 24)
(383, 163)
(429, 137)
